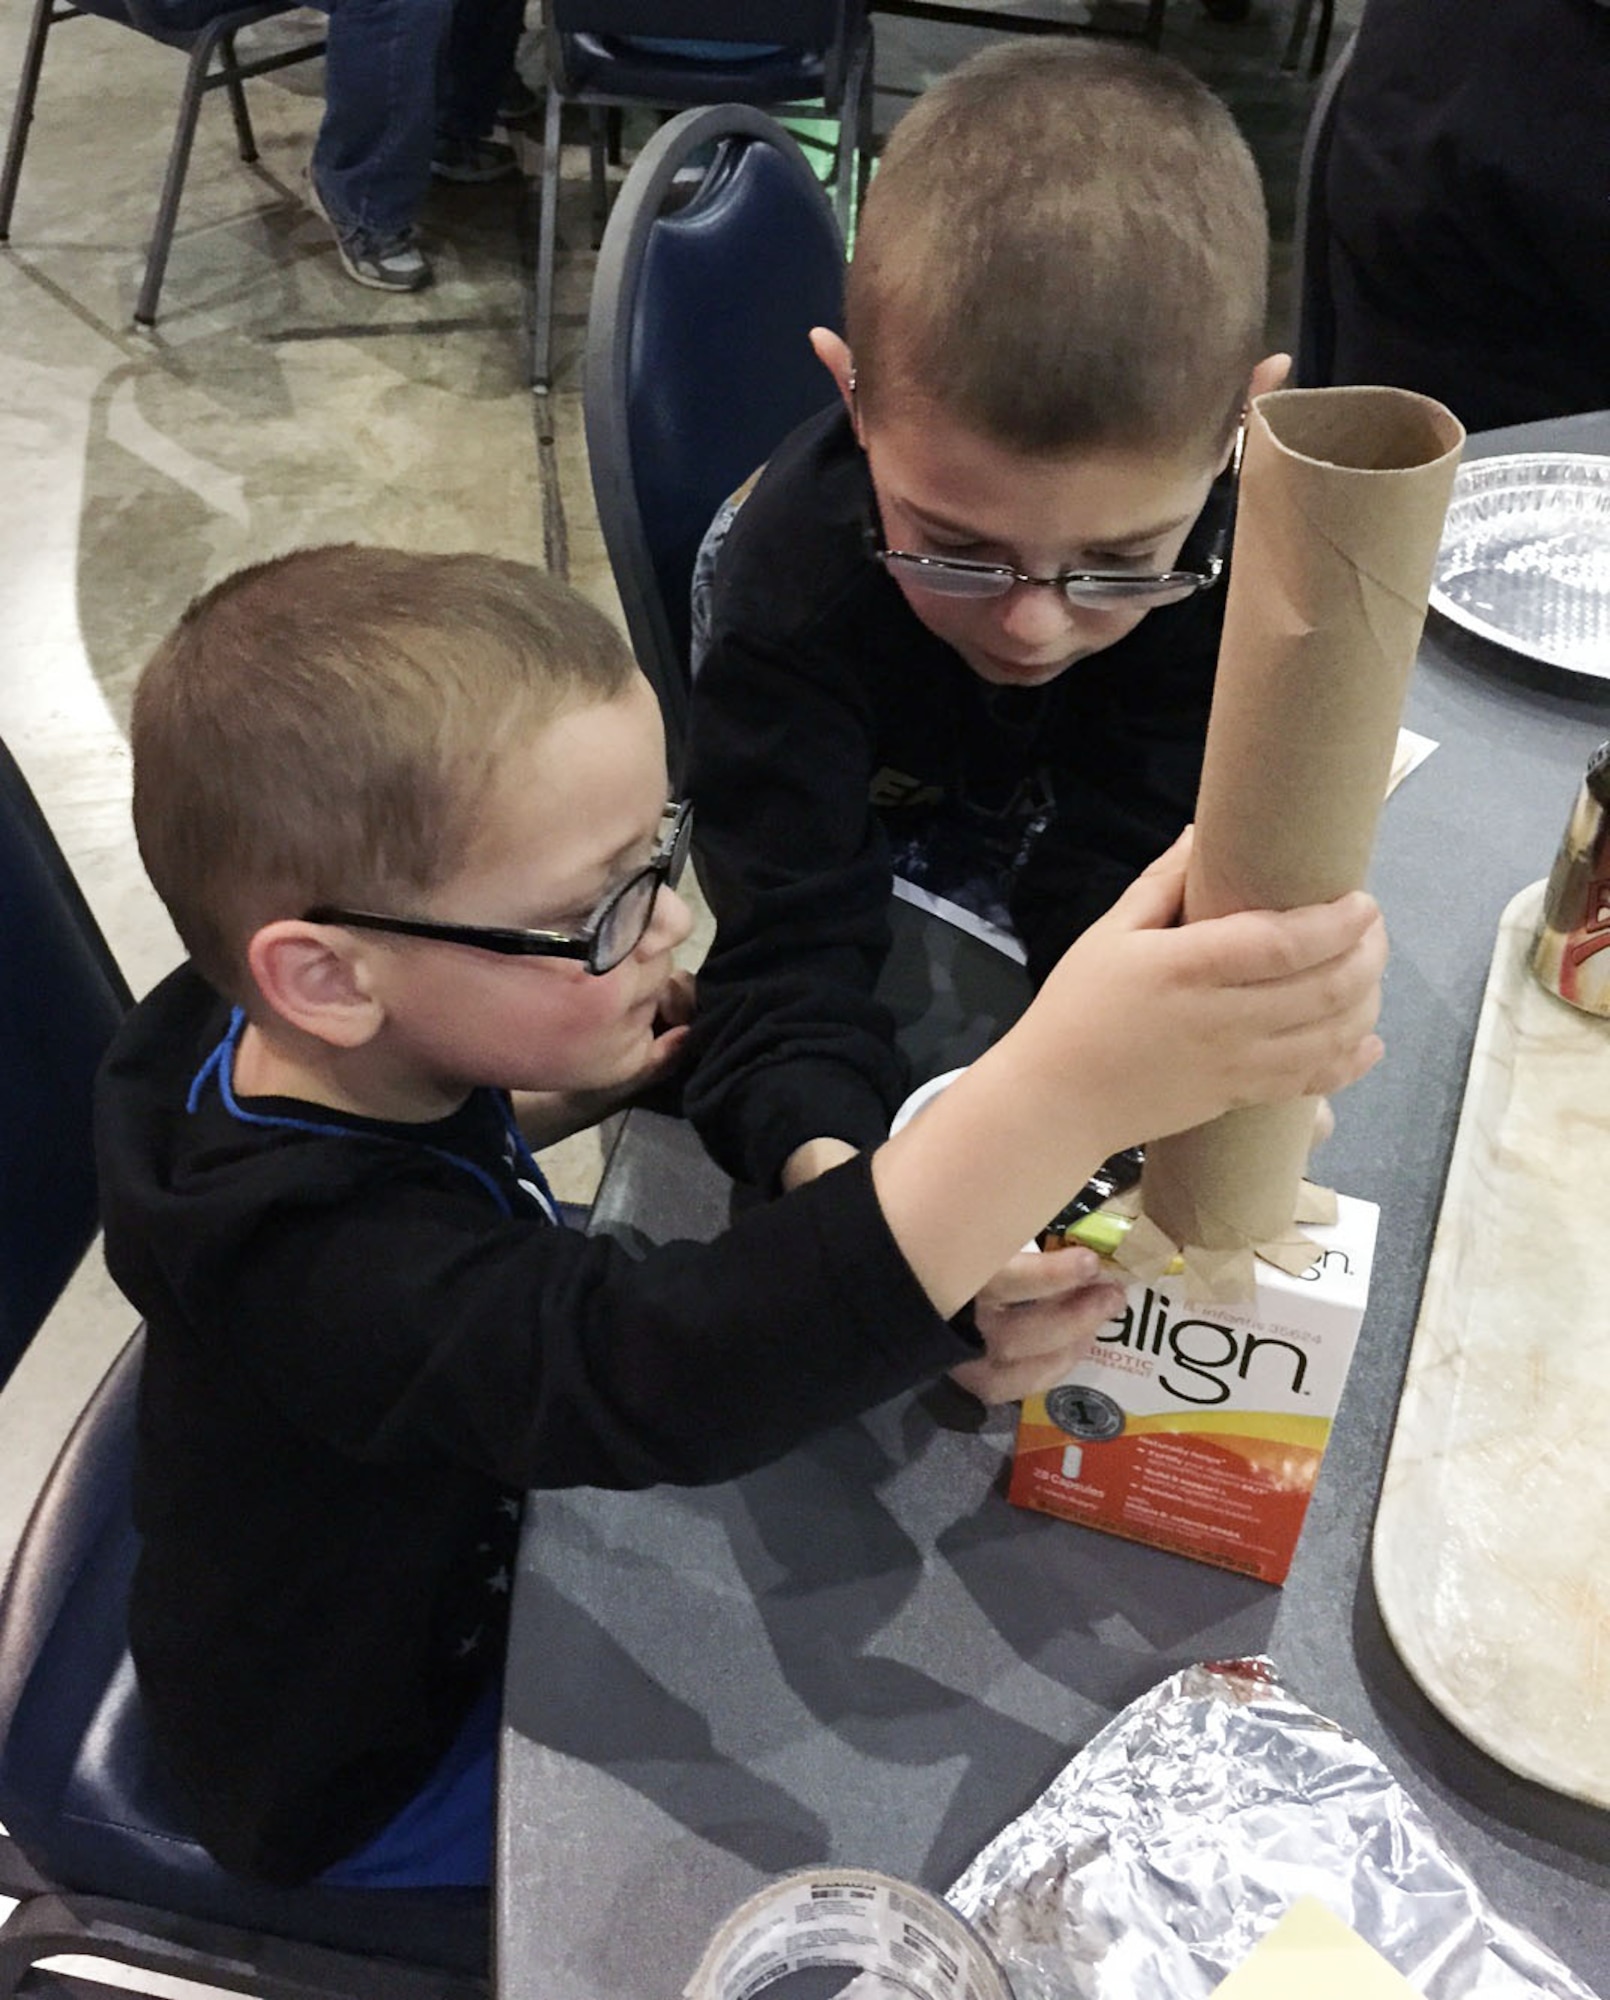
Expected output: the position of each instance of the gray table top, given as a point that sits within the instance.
(864, 1654)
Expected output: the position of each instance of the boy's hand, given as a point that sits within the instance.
(1145, 1027)
(1036, 1316)
(1177, 1023)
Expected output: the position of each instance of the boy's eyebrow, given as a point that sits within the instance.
(613, 866)
(966, 531)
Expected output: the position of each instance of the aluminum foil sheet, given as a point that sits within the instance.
(1525, 557)
(1180, 1834)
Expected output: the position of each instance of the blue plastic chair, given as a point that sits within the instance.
(92, 1848)
(811, 54)
(698, 357)
(61, 999)
(199, 29)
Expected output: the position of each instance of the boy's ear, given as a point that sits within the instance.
(316, 978)
(1270, 373)
(835, 357)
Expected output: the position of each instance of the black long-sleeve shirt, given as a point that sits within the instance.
(365, 1342)
(832, 736)
(1468, 206)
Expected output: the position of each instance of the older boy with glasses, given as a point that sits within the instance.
(408, 813)
(963, 630)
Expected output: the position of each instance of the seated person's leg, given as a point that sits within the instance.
(476, 65)
(371, 162)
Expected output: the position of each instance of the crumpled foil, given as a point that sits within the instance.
(1176, 1839)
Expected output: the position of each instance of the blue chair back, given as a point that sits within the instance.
(61, 997)
(618, 48)
(698, 356)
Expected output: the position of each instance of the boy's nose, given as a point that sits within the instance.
(1035, 614)
(671, 923)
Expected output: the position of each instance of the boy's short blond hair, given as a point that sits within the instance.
(323, 728)
(1065, 245)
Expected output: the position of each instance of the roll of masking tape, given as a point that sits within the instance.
(856, 1920)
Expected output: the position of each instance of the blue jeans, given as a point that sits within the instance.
(398, 74)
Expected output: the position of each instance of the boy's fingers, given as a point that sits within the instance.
(1153, 900)
(667, 1051)
(1031, 1276)
(1035, 1356)
(1341, 995)
(1357, 1062)
(677, 1000)
(1260, 947)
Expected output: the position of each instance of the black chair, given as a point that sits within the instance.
(822, 59)
(91, 1846)
(698, 361)
(201, 30)
(1313, 343)
(61, 999)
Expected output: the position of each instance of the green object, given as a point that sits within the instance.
(1098, 1232)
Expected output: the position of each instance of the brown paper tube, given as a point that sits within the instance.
(1343, 493)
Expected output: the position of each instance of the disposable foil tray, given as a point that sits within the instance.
(1525, 557)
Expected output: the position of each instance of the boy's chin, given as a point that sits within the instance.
(1020, 674)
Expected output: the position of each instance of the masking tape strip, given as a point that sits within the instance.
(1221, 1276)
(856, 1919)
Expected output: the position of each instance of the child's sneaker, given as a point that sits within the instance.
(470, 162)
(384, 264)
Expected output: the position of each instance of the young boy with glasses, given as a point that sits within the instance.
(409, 815)
(963, 630)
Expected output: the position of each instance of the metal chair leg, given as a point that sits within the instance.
(597, 150)
(156, 264)
(855, 135)
(547, 230)
(22, 115)
(1327, 20)
(1299, 30)
(246, 138)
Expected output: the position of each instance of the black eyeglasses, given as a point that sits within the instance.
(1093, 589)
(609, 936)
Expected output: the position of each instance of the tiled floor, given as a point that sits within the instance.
(278, 404)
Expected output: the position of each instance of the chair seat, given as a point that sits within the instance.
(605, 66)
(176, 23)
(79, 1790)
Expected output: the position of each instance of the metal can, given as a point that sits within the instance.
(1571, 955)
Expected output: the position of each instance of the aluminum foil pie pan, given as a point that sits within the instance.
(1525, 557)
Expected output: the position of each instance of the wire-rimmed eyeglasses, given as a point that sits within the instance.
(609, 936)
(1091, 589)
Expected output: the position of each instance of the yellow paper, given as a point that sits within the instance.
(1312, 1955)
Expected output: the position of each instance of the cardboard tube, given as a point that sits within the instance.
(1343, 493)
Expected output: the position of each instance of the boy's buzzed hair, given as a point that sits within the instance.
(1065, 245)
(323, 728)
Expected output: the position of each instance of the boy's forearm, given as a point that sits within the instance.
(984, 1167)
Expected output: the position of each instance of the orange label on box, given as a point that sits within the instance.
(1201, 1428)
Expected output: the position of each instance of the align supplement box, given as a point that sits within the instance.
(1200, 1428)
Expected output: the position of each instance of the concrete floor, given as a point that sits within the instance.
(278, 404)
